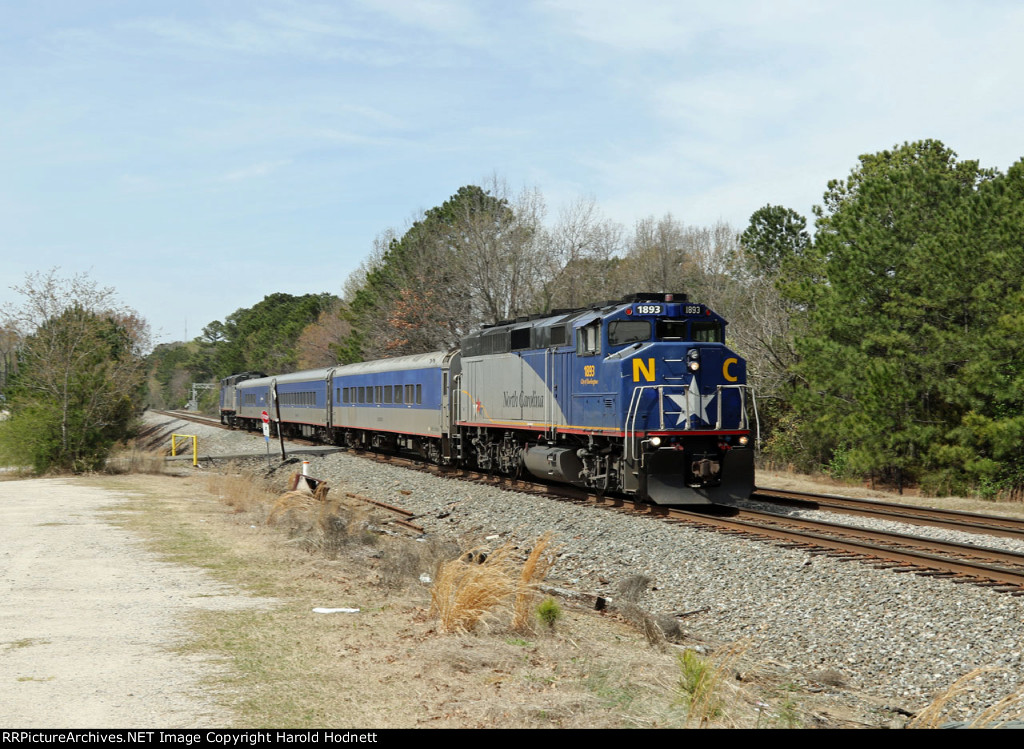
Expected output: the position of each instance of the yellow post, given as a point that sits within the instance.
(195, 446)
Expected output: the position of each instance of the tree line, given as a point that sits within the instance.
(903, 352)
(883, 344)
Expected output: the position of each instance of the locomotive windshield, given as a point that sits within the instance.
(702, 331)
(706, 332)
(621, 332)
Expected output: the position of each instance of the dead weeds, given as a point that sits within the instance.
(394, 664)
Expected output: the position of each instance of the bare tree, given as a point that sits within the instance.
(318, 344)
(582, 251)
(497, 245)
(660, 256)
(9, 340)
(473, 259)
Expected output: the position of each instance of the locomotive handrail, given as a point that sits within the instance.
(549, 402)
(629, 427)
(743, 406)
(633, 412)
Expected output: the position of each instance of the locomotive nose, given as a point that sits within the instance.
(717, 365)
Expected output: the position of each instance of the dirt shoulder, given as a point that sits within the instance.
(125, 608)
(90, 618)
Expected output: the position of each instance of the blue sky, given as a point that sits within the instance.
(200, 155)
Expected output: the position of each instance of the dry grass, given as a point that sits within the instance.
(468, 592)
(314, 521)
(241, 492)
(132, 458)
(399, 565)
(1011, 707)
(536, 568)
(480, 588)
(320, 524)
(703, 685)
(385, 666)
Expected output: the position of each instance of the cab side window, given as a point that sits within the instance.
(588, 339)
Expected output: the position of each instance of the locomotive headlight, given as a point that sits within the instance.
(743, 440)
(693, 366)
(655, 441)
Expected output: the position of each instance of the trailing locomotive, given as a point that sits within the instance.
(639, 396)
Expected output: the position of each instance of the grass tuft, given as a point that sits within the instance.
(479, 588)
(242, 493)
(549, 612)
(1011, 707)
(702, 681)
(537, 566)
(320, 524)
(400, 564)
(132, 458)
(467, 593)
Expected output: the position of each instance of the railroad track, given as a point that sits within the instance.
(900, 552)
(958, 562)
(967, 522)
(192, 416)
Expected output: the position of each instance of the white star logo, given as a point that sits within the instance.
(692, 402)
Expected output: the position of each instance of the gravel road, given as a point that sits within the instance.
(90, 618)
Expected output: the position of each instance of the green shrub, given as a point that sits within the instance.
(549, 612)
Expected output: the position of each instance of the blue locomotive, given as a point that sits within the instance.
(639, 396)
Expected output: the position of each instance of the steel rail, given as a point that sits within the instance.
(923, 562)
(968, 522)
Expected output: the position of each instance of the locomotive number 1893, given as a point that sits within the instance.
(649, 309)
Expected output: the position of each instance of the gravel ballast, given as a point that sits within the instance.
(893, 639)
